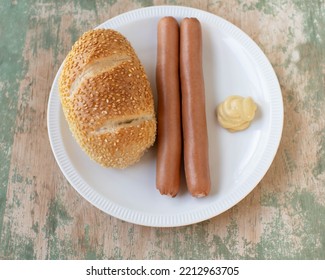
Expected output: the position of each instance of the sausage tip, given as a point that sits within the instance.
(164, 192)
(198, 195)
(167, 19)
(190, 19)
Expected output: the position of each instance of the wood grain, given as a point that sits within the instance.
(42, 217)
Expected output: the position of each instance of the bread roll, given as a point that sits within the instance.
(107, 99)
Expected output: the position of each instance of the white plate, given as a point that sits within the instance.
(233, 64)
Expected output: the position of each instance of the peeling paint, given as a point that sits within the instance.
(270, 199)
(57, 217)
(289, 162)
(35, 227)
(320, 164)
(91, 251)
(12, 68)
(16, 247)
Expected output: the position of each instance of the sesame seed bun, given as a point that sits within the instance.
(107, 99)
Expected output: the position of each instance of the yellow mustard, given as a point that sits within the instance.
(236, 112)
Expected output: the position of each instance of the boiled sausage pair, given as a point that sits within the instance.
(179, 66)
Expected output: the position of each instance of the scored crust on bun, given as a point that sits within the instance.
(107, 99)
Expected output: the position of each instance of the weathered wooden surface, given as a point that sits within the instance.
(42, 217)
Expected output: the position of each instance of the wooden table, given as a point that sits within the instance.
(43, 217)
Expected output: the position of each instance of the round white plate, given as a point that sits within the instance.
(233, 64)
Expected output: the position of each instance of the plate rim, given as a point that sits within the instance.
(188, 217)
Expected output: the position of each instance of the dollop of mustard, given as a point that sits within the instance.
(236, 112)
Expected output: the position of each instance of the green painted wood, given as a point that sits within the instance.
(42, 217)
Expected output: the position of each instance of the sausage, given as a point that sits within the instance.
(196, 157)
(169, 108)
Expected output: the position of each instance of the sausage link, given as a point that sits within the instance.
(196, 157)
(169, 115)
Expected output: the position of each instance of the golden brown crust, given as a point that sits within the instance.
(107, 99)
